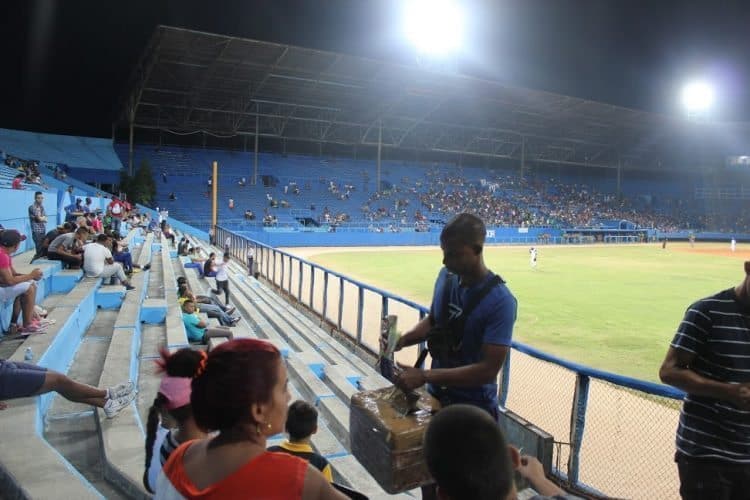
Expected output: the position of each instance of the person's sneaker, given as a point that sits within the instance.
(231, 309)
(235, 321)
(114, 406)
(129, 287)
(146, 267)
(120, 390)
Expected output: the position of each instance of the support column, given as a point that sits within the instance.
(380, 147)
(130, 147)
(255, 156)
(214, 195)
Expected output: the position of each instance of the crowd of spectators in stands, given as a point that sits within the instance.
(28, 172)
(502, 200)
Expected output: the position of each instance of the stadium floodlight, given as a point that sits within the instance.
(435, 27)
(697, 97)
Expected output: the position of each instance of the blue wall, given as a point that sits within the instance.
(343, 239)
(15, 215)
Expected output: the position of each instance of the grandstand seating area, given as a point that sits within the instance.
(312, 185)
(81, 152)
(314, 192)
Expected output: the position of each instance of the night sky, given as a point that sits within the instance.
(65, 62)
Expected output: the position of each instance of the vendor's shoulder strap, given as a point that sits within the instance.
(476, 299)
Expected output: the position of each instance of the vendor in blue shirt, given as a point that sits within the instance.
(469, 374)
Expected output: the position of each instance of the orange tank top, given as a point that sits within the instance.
(269, 476)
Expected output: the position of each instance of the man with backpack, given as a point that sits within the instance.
(469, 328)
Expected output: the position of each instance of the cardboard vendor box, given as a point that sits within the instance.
(387, 440)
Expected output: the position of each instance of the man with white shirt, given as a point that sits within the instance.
(98, 262)
(222, 278)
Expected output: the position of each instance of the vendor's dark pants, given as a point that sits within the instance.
(490, 407)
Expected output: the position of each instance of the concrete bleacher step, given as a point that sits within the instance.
(336, 352)
(348, 364)
(70, 427)
(348, 471)
(153, 337)
(123, 437)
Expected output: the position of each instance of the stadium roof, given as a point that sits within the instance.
(188, 81)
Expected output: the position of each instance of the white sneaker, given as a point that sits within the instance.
(120, 390)
(113, 406)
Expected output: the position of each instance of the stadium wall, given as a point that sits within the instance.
(347, 239)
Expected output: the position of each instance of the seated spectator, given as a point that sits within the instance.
(182, 246)
(166, 230)
(68, 248)
(204, 299)
(98, 262)
(212, 310)
(23, 380)
(153, 227)
(121, 254)
(301, 424)
(242, 393)
(172, 196)
(469, 457)
(68, 227)
(209, 266)
(173, 400)
(249, 215)
(82, 221)
(18, 181)
(17, 287)
(197, 330)
(196, 260)
(95, 223)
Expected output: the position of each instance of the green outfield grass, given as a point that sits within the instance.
(614, 308)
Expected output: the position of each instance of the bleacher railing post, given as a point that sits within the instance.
(299, 282)
(325, 294)
(281, 270)
(291, 272)
(383, 306)
(341, 300)
(312, 286)
(360, 312)
(577, 425)
(505, 380)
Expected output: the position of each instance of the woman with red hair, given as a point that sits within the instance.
(240, 390)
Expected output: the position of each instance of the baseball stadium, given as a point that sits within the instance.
(328, 181)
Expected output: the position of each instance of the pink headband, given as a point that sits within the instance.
(176, 390)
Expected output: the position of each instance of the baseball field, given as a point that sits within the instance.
(612, 307)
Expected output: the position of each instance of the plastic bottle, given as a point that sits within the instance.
(29, 354)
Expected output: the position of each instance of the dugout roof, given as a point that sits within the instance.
(188, 81)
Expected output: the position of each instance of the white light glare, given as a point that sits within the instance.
(434, 26)
(697, 97)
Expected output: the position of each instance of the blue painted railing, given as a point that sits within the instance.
(283, 269)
